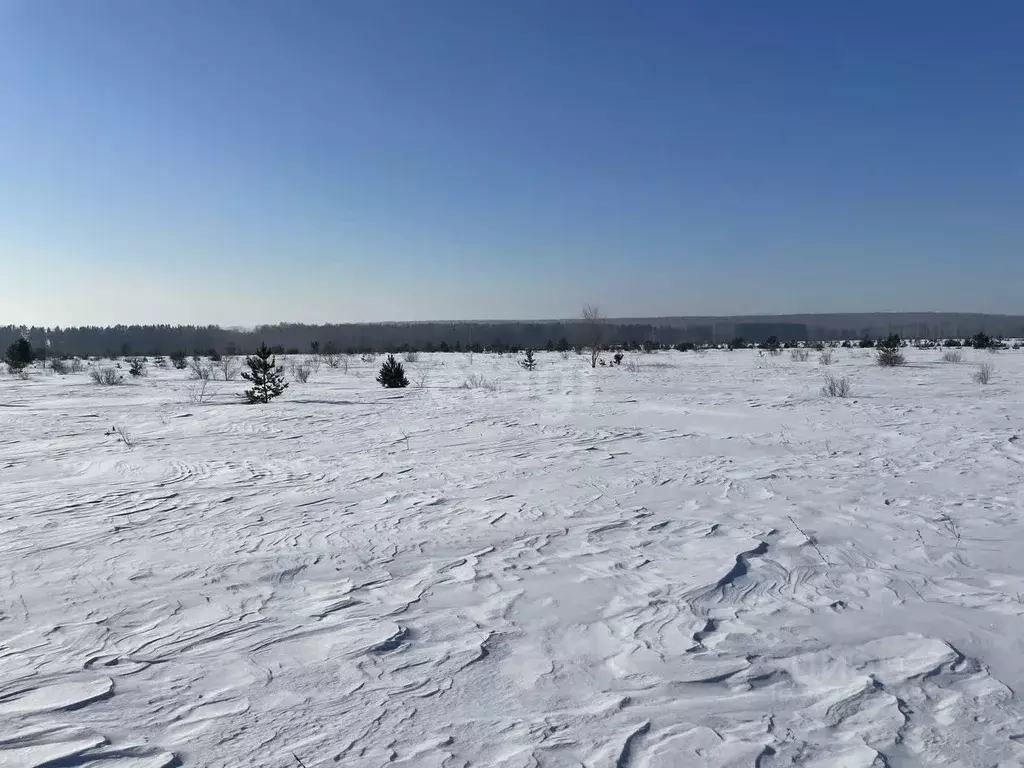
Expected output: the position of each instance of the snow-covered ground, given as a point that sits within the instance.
(702, 562)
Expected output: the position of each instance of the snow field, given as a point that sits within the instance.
(702, 562)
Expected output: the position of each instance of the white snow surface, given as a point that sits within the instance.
(704, 562)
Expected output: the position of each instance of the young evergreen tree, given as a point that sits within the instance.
(392, 374)
(19, 355)
(888, 351)
(528, 362)
(266, 376)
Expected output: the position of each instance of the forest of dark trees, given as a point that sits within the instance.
(498, 336)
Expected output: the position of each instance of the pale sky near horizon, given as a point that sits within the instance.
(220, 161)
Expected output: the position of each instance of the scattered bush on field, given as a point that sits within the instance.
(953, 356)
(825, 357)
(866, 343)
(888, 353)
(836, 386)
(528, 362)
(179, 360)
(565, 354)
(160, 361)
(392, 374)
(737, 343)
(477, 381)
(367, 357)
(266, 377)
(105, 376)
(411, 357)
(771, 346)
(632, 366)
(75, 365)
(137, 367)
(617, 358)
(60, 367)
(421, 379)
(800, 355)
(301, 372)
(984, 373)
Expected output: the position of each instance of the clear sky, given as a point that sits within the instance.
(249, 161)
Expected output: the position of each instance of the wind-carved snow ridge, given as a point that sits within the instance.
(702, 563)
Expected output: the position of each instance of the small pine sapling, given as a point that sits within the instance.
(266, 377)
(529, 362)
(19, 355)
(888, 351)
(392, 374)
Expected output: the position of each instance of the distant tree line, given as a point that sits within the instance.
(127, 340)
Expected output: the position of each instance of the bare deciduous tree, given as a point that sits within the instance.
(229, 367)
(593, 330)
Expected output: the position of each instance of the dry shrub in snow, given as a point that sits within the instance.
(200, 370)
(825, 358)
(632, 366)
(105, 376)
(197, 393)
(953, 356)
(411, 357)
(836, 386)
(58, 366)
(477, 381)
(984, 373)
(121, 434)
(799, 355)
(301, 372)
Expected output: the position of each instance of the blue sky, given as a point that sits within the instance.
(318, 160)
